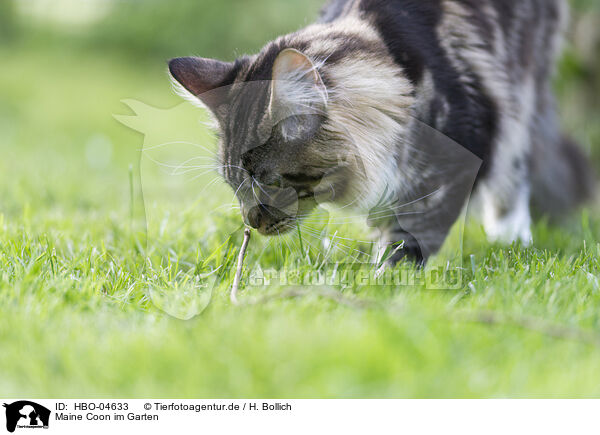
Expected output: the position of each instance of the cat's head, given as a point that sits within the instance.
(285, 131)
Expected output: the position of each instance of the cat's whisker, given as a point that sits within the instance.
(240, 186)
(388, 208)
(262, 190)
(379, 217)
(227, 206)
(202, 174)
(151, 148)
(192, 159)
(269, 243)
(214, 181)
(280, 247)
(291, 239)
(387, 213)
(174, 167)
(258, 201)
(254, 192)
(235, 167)
(285, 240)
(334, 238)
(356, 200)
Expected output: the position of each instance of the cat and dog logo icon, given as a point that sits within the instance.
(24, 414)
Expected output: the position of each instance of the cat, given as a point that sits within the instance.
(372, 105)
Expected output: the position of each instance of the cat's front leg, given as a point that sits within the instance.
(396, 245)
(414, 242)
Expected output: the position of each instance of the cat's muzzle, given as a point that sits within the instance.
(271, 211)
(268, 220)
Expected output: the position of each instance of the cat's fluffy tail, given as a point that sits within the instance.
(562, 179)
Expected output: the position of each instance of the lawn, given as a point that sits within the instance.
(90, 245)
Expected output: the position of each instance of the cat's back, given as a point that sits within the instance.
(514, 30)
(488, 60)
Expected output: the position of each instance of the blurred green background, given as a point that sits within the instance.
(73, 278)
(68, 63)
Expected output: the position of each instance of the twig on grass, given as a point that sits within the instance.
(240, 266)
(333, 295)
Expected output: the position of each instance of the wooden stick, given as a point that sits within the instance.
(240, 266)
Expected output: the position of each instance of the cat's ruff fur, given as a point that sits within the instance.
(478, 71)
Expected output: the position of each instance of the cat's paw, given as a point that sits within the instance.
(514, 226)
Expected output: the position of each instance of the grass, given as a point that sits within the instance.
(77, 272)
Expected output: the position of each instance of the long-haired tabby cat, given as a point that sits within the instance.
(338, 110)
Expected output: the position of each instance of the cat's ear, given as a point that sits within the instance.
(298, 95)
(202, 78)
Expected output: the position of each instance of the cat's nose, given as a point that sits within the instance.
(255, 217)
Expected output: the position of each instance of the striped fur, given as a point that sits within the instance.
(420, 98)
